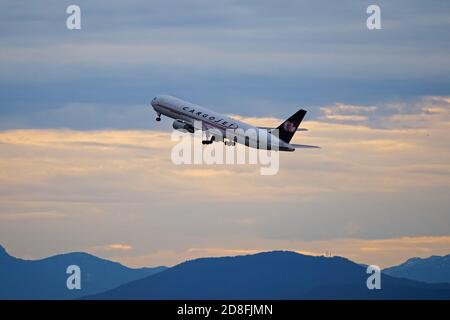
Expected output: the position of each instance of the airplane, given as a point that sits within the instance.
(185, 114)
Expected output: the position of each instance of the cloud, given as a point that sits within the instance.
(430, 111)
(381, 252)
(347, 113)
(87, 187)
(306, 52)
(109, 251)
(389, 159)
(117, 247)
(76, 152)
(30, 216)
(423, 113)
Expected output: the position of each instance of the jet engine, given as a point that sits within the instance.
(182, 126)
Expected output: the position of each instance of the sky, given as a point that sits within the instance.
(84, 166)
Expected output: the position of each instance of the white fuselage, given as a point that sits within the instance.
(187, 112)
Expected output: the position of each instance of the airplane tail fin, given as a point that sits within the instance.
(287, 129)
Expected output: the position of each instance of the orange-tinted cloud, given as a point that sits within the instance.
(85, 188)
(381, 252)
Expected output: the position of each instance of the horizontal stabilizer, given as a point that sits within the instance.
(304, 146)
(269, 128)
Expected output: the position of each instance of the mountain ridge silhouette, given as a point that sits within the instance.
(271, 275)
(433, 269)
(266, 275)
(46, 278)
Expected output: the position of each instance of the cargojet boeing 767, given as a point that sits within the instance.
(218, 127)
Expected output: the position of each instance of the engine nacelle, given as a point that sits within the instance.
(182, 126)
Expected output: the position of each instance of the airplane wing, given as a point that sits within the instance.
(205, 126)
(269, 128)
(304, 146)
(211, 128)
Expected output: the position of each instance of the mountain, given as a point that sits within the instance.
(271, 275)
(46, 278)
(434, 269)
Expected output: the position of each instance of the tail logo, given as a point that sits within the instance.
(289, 127)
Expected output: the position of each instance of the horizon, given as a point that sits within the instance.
(249, 253)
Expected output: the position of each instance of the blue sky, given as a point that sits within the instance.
(84, 166)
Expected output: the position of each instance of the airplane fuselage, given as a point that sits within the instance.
(187, 113)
